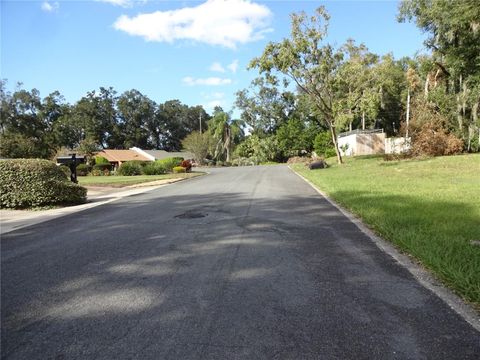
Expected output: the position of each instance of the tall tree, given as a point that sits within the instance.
(226, 133)
(25, 126)
(178, 120)
(454, 38)
(356, 80)
(313, 67)
(264, 105)
(172, 115)
(136, 111)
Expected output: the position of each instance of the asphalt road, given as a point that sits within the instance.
(246, 263)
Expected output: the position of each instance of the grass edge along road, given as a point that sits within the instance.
(122, 181)
(429, 209)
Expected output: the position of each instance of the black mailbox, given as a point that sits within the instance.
(72, 161)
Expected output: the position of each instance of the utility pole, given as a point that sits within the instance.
(363, 120)
(200, 120)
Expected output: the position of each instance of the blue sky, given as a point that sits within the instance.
(194, 51)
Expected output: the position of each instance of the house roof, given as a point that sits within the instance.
(121, 155)
(162, 154)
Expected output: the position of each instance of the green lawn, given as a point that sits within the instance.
(121, 181)
(428, 208)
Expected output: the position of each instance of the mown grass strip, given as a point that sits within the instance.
(429, 208)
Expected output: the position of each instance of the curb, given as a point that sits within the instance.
(423, 276)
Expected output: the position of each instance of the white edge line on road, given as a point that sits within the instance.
(419, 273)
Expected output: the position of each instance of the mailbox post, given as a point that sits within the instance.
(73, 169)
(71, 161)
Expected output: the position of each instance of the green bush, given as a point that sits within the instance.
(82, 170)
(179, 170)
(66, 170)
(101, 160)
(130, 168)
(170, 163)
(102, 167)
(35, 182)
(154, 168)
(323, 144)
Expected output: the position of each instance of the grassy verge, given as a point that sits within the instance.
(121, 181)
(428, 208)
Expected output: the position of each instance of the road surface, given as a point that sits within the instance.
(245, 263)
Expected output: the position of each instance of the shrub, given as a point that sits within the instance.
(82, 170)
(154, 168)
(179, 169)
(170, 163)
(433, 140)
(66, 170)
(102, 167)
(35, 182)
(227, 163)
(323, 144)
(130, 168)
(101, 160)
(199, 145)
(219, 163)
(187, 164)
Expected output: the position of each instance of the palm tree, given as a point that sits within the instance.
(226, 132)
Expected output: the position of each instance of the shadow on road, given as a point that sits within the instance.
(278, 277)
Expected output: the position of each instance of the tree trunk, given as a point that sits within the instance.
(460, 118)
(475, 122)
(335, 143)
(363, 120)
(427, 83)
(459, 114)
(408, 114)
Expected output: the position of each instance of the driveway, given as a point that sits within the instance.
(246, 263)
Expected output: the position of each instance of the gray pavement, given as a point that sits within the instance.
(246, 263)
(11, 220)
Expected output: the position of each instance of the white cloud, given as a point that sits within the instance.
(211, 105)
(218, 95)
(50, 7)
(233, 66)
(211, 81)
(122, 3)
(217, 67)
(216, 22)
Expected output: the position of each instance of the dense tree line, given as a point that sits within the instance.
(348, 87)
(307, 91)
(34, 127)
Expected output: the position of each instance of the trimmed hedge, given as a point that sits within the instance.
(170, 163)
(82, 170)
(36, 182)
(154, 168)
(179, 170)
(130, 168)
(102, 167)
